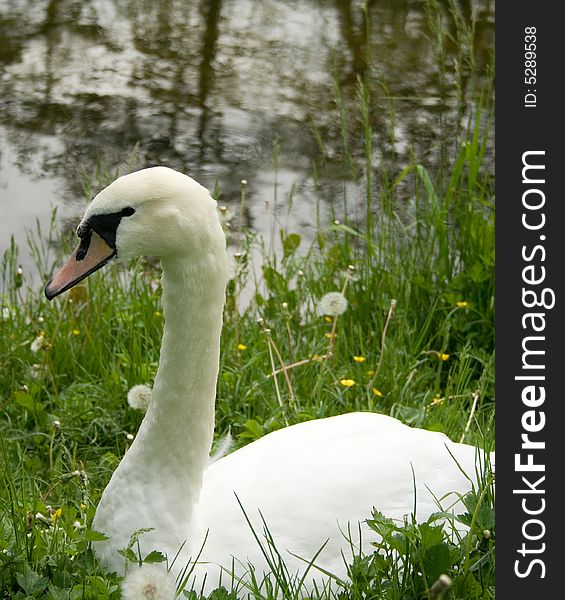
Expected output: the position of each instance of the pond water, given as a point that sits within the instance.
(223, 90)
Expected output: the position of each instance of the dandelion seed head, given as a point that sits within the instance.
(35, 371)
(333, 304)
(148, 582)
(6, 313)
(139, 397)
(38, 343)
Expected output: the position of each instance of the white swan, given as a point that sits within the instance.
(310, 481)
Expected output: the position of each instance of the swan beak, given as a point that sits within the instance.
(90, 255)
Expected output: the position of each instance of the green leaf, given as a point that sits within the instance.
(430, 535)
(95, 536)
(30, 582)
(254, 429)
(154, 557)
(129, 554)
(437, 560)
(290, 243)
(409, 414)
(274, 280)
(57, 593)
(25, 400)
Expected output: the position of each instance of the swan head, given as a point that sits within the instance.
(155, 211)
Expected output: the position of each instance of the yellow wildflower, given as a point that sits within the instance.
(56, 514)
(444, 356)
(370, 372)
(328, 319)
(347, 382)
(330, 335)
(76, 331)
(359, 359)
(377, 392)
(241, 347)
(158, 313)
(462, 304)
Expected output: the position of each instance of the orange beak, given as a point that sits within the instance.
(90, 255)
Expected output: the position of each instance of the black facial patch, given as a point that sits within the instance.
(105, 225)
(84, 243)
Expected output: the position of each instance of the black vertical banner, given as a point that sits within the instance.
(530, 338)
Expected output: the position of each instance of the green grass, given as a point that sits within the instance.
(65, 419)
(426, 241)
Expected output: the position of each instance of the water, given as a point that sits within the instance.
(222, 90)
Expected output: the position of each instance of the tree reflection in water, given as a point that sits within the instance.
(207, 87)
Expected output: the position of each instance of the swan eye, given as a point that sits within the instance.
(128, 211)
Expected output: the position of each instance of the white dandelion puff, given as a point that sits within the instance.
(333, 304)
(148, 582)
(139, 397)
(36, 371)
(6, 314)
(37, 344)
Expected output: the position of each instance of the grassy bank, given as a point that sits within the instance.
(426, 358)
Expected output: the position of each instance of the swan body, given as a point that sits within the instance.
(312, 484)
